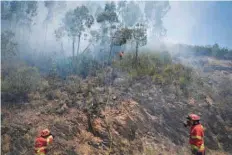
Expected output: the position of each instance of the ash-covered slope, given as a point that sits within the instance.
(120, 115)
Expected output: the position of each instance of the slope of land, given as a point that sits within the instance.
(116, 112)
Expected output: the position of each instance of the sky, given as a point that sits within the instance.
(200, 23)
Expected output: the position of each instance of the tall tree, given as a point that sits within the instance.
(121, 7)
(121, 36)
(76, 21)
(50, 8)
(8, 45)
(19, 13)
(8, 51)
(108, 19)
(130, 13)
(215, 50)
(94, 38)
(59, 34)
(5, 10)
(60, 6)
(16, 12)
(109, 15)
(154, 12)
(31, 11)
(140, 36)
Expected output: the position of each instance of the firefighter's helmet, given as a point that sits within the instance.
(193, 117)
(45, 133)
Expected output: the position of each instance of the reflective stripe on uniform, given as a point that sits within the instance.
(49, 140)
(38, 150)
(41, 153)
(196, 137)
(201, 148)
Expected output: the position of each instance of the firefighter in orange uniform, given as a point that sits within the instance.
(196, 139)
(121, 55)
(42, 142)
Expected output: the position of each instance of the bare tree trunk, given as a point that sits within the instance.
(73, 47)
(20, 35)
(86, 48)
(15, 25)
(136, 53)
(11, 25)
(78, 45)
(46, 27)
(111, 47)
(62, 47)
(29, 38)
(111, 44)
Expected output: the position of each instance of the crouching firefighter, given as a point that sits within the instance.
(44, 139)
(196, 139)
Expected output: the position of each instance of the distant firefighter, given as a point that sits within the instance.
(121, 55)
(42, 142)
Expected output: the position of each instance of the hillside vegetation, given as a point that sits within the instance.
(122, 109)
(60, 69)
(210, 50)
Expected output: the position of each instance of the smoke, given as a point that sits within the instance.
(40, 38)
(183, 23)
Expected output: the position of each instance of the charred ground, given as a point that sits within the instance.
(120, 110)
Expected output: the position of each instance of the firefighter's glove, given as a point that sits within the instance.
(52, 135)
(194, 151)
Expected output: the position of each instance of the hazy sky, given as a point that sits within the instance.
(200, 23)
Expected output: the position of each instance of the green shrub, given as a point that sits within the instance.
(182, 82)
(148, 63)
(22, 81)
(158, 65)
(159, 79)
(85, 65)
